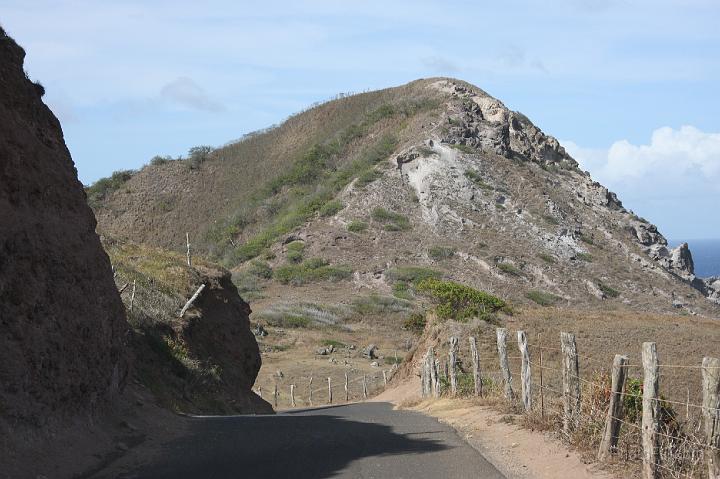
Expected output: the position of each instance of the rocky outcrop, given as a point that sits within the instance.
(679, 262)
(62, 325)
(483, 122)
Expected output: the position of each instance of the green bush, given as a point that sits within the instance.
(377, 305)
(542, 298)
(331, 208)
(547, 258)
(296, 245)
(477, 179)
(357, 226)
(294, 256)
(460, 302)
(586, 239)
(198, 155)
(464, 148)
(510, 269)
(551, 220)
(412, 274)
(415, 323)
(158, 160)
(440, 253)
(311, 270)
(609, 291)
(368, 177)
(402, 290)
(584, 257)
(332, 342)
(391, 221)
(260, 269)
(99, 190)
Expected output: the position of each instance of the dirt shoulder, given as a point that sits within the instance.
(517, 452)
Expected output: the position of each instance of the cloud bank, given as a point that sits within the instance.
(674, 178)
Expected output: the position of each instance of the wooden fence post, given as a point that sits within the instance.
(431, 370)
(477, 379)
(542, 384)
(525, 376)
(132, 297)
(310, 390)
(187, 241)
(650, 411)
(436, 373)
(347, 388)
(384, 378)
(504, 366)
(424, 377)
(608, 444)
(275, 396)
(292, 395)
(452, 359)
(329, 391)
(571, 382)
(711, 414)
(365, 394)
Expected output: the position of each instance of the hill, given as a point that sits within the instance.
(435, 174)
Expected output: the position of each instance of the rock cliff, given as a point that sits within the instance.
(62, 325)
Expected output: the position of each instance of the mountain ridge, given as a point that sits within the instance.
(463, 160)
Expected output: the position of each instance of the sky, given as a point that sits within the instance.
(630, 88)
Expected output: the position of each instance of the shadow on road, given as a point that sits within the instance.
(309, 444)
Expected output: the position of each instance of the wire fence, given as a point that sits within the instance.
(603, 409)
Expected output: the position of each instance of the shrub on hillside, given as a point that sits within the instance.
(99, 190)
(460, 302)
(331, 208)
(440, 253)
(542, 298)
(391, 220)
(357, 226)
(197, 155)
(309, 271)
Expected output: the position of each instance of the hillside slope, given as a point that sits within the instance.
(435, 174)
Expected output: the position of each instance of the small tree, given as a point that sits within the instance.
(199, 154)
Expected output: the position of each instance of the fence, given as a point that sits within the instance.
(607, 410)
(334, 390)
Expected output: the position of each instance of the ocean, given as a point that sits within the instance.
(706, 255)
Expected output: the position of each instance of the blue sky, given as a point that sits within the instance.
(630, 87)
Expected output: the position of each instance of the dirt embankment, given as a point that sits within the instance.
(203, 362)
(62, 325)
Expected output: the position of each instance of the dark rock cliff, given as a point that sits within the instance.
(62, 324)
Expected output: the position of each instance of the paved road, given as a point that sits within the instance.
(367, 440)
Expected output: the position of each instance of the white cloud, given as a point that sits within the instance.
(440, 64)
(686, 153)
(673, 180)
(187, 93)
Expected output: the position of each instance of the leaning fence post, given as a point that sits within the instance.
(711, 414)
(275, 396)
(430, 365)
(190, 301)
(525, 372)
(608, 444)
(571, 382)
(504, 366)
(542, 383)
(329, 391)
(477, 379)
(347, 389)
(292, 395)
(650, 411)
(365, 394)
(384, 378)
(452, 359)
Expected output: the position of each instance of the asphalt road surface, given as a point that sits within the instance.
(362, 441)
